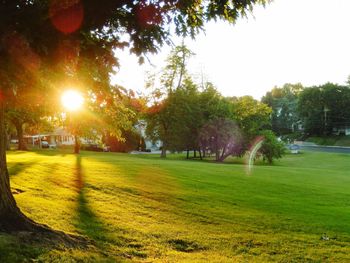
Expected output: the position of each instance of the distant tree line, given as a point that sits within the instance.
(312, 111)
(182, 114)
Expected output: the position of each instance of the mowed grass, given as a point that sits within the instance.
(144, 209)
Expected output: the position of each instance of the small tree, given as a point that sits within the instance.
(159, 120)
(271, 148)
(223, 137)
(168, 119)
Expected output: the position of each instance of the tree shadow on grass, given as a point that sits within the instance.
(91, 226)
(17, 168)
(87, 222)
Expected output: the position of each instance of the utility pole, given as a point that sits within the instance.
(325, 110)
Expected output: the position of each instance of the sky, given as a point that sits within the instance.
(288, 41)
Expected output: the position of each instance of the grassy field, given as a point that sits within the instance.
(143, 209)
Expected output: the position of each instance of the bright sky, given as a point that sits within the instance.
(289, 41)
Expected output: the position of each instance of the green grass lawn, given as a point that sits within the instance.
(144, 209)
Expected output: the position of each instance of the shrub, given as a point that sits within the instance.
(271, 147)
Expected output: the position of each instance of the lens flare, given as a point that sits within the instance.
(66, 16)
(72, 100)
(252, 153)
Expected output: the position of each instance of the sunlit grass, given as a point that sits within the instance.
(142, 208)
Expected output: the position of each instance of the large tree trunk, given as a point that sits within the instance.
(11, 218)
(76, 144)
(8, 140)
(19, 128)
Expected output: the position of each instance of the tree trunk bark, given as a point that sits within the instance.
(182, 68)
(39, 142)
(222, 158)
(11, 218)
(163, 153)
(188, 154)
(76, 144)
(217, 151)
(21, 144)
(8, 140)
(223, 152)
(194, 153)
(200, 153)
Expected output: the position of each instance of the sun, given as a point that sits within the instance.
(72, 100)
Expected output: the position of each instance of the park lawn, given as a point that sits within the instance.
(144, 209)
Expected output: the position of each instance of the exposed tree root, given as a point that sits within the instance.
(30, 232)
(53, 238)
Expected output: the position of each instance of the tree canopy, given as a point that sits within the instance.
(324, 108)
(56, 42)
(284, 104)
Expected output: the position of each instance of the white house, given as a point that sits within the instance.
(58, 137)
(150, 145)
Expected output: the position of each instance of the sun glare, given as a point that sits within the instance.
(72, 100)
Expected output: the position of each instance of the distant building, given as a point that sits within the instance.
(150, 145)
(56, 138)
(297, 126)
(345, 130)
